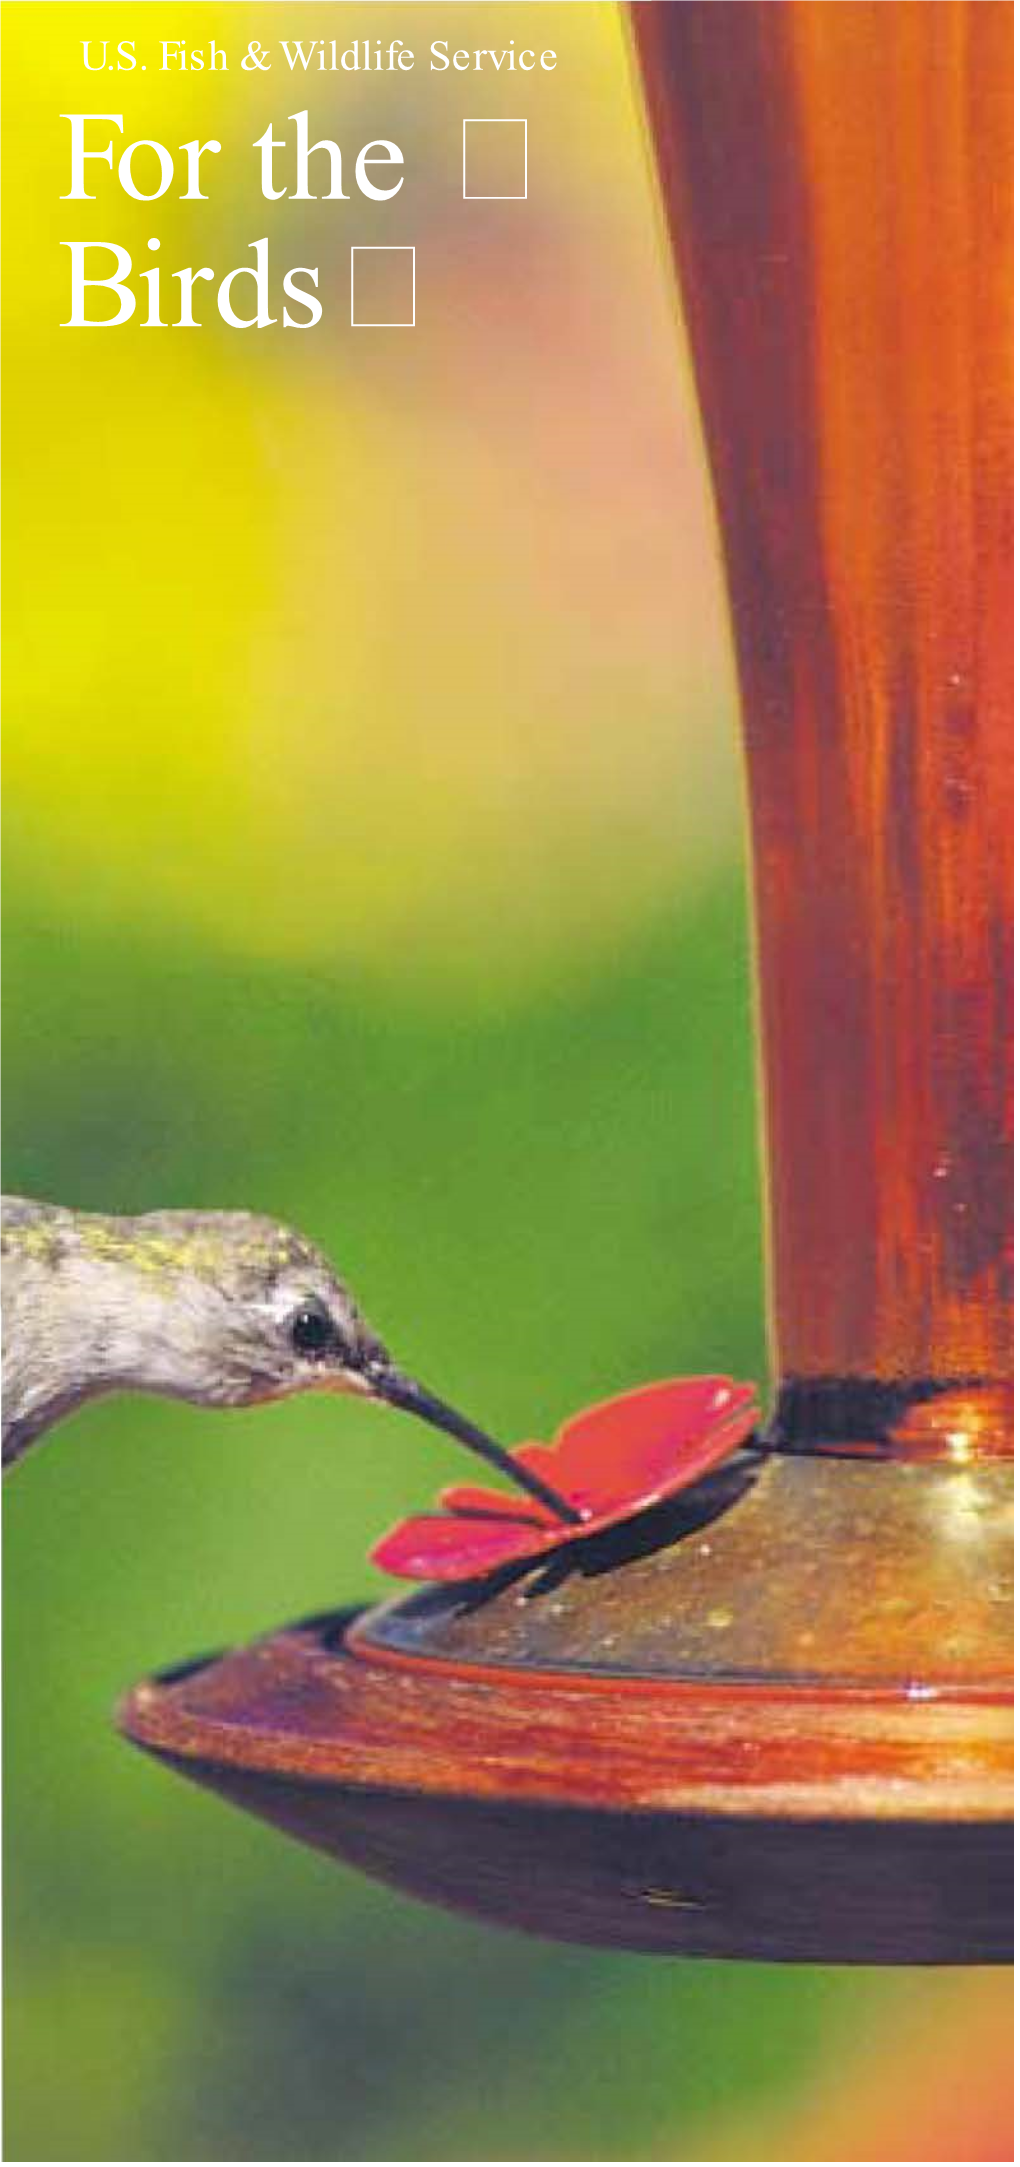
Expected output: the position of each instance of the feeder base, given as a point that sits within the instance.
(824, 1778)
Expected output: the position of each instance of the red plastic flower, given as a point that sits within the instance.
(611, 1462)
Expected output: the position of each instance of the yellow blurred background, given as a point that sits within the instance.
(375, 857)
(349, 600)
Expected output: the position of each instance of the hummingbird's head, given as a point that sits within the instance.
(275, 1319)
(260, 1313)
(227, 1308)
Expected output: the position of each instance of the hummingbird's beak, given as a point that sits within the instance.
(387, 1383)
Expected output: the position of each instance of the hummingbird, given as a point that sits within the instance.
(222, 1308)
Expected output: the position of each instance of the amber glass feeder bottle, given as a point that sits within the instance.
(784, 1733)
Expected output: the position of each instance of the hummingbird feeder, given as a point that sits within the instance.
(755, 1700)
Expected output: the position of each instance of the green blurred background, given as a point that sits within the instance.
(374, 857)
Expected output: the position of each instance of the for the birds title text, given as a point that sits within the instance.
(109, 289)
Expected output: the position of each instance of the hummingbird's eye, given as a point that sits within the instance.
(311, 1329)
